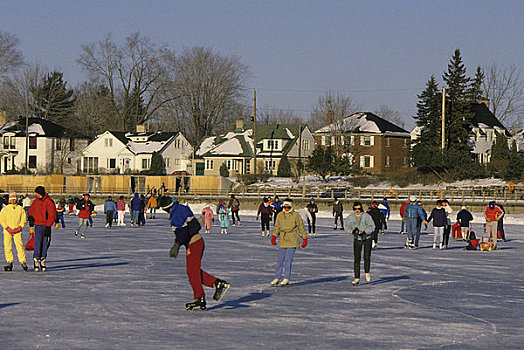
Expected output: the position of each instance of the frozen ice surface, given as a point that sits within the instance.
(118, 289)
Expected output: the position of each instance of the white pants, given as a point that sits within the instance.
(465, 231)
(121, 214)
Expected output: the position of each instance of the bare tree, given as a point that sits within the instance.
(137, 67)
(10, 57)
(388, 113)
(504, 87)
(331, 108)
(206, 92)
(272, 115)
(93, 110)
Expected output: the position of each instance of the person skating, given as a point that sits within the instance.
(71, 204)
(378, 219)
(500, 223)
(84, 207)
(142, 211)
(420, 221)
(402, 213)
(223, 215)
(447, 228)
(277, 208)
(42, 215)
(26, 203)
(264, 211)
(337, 213)
(464, 218)
(360, 225)
(439, 217)
(186, 229)
(209, 217)
(234, 205)
(121, 207)
(13, 219)
(287, 228)
(412, 213)
(313, 210)
(492, 214)
(60, 210)
(109, 210)
(134, 205)
(152, 205)
(384, 208)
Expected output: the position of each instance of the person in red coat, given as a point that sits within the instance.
(492, 214)
(42, 215)
(402, 212)
(85, 208)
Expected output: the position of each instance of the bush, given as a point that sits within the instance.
(360, 181)
(224, 172)
(284, 168)
(249, 179)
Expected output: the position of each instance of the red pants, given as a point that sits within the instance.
(196, 275)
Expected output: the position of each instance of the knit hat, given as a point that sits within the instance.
(12, 195)
(312, 200)
(288, 202)
(412, 198)
(40, 190)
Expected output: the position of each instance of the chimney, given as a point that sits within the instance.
(485, 101)
(239, 125)
(141, 128)
(329, 116)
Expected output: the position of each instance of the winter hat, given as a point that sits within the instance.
(464, 207)
(312, 199)
(288, 201)
(491, 205)
(374, 205)
(412, 198)
(40, 190)
(266, 200)
(12, 195)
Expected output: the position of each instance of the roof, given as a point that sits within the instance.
(364, 122)
(40, 127)
(483, 117)
(156, 141)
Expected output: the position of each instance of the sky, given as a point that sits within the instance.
(375, 52)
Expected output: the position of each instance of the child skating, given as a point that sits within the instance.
(223, 214)
(208, 215)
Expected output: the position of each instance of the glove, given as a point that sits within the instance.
(47, 231)
(173, 252)
(10, 230)
(355, 231)
(93, 213)
(17, 229)
(57, 226)
(274, 240)
(256, 218)
(213, 219)
(32, 230)
(304, 243)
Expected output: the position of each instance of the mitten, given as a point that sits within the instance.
(32, 230)
(304, 242)
(17, 229)
(173, 252)
(355, 231)
(57, 226)
(274, 240)
(10, 230)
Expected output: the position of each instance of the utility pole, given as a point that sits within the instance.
(26, 132)
(255, 130)
(443, 138)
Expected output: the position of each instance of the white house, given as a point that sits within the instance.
(121, 152)
(51, 147)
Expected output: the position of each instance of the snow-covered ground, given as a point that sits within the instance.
(118, 289)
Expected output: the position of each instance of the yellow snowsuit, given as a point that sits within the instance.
(13, 216)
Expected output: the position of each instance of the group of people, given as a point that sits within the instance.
(222, 210)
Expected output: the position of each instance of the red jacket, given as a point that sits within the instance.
(85, 208)
(493, 214)
(42, 212)
(403, 209)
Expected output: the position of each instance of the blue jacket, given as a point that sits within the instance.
(135, 202)
(386, 211)
(414, 211)
(109, 206)
(184, 223)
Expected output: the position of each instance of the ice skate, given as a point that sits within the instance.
(225, 231)
(107, 225)
(9, 266)
(440, 246)
(76, 233)
(221, 288)
(284, 282)
(355, 281)
(24, 266)
(334, 228)
(263, 233)
(368, 277)
(42, 265)
(411, 245)
(434, 245)
(199, 302)
(36, 265)
(82, 236)
(373, 244)
(274, 283)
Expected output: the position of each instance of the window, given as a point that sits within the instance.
(327, 140)
(248, 166)
(270, 165)
(13, 142)
(305, 145)
(69, 160)
(179, 144)
(166, 162)
(9, 142)
(177, 161)
(367, 140)
(32, 142)
(108, 142)
(90, 164)
(145, 163)
(272, 144)
(387, 162)
(111, 163)
(32, 162)
(387, 142)
(232, 164)
(209, 164)
(71, 145)
(6, 142)
(58, 144)
(367, 162)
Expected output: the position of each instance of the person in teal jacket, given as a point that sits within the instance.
(223, 214)
(361, 226)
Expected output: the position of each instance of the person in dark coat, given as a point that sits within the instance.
(337, 213)
(134, 205)
(234, 205)
(142, 211)
(378, 219)
(464, 218)
(440, 219)
(264, 210)
(312, 208)
(500, 223)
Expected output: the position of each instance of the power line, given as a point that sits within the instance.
(355, 90)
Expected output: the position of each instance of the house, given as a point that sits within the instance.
(518, 137)
(236, 148)
(377, 145)
(123, 152)
(51, 148)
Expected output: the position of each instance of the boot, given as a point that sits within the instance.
(199, 302)
(8, 266)
(368, 277)
(434, 245)
(274, 282)
(284, 282)
(24, 266)
(36, 262)
(221, 288)
(355, 281)
(42, 264)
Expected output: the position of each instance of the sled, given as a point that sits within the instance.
(30, 245)
(456, 232)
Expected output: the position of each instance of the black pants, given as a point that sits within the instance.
(109, 217)
(264, 221)
(337, 216)
(447, 230)
(275, 215)
(311, 223)
(374, 235)
(500, 227)
(357, 253)
(233, 213)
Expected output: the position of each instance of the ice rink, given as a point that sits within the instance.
(118, 289)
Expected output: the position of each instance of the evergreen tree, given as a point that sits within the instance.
(284, 168)
(499, 159)
(52, 100)
(224, 171)
(321, 162)
(157, 164)
(475, 89)
(515, 168)
(134, 110)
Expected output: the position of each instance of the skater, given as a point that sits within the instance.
(500, 223)
(288, 226)
(84, 207)
(420, 221)
(109, 210)
(313, 210)
(60, 210)
(223, 215)
(162, 189)
(384, 208)
(378, 219)
(121, 207)
(492, 214)
(71, 203)
(411, 214)
(209, 217)
(42, 215)
(337, 213)
(186, 229)
(402, 213)
(464, 218)
(26, 203)
(276, 205)
(473, 242)
(13, 219)
(135, 209)
(447, 228)
(141, 212)
(234, 204)
(438, 214)
(152, 205)
(360, 225)
(264, 210)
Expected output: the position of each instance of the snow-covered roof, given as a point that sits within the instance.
(40, 127)
(363, 122)
(152, 142)
(231, 147)
(232, 143)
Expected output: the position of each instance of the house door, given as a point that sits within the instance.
(5, 164)
(200, 169)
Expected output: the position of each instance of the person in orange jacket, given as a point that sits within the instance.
(492, 215)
